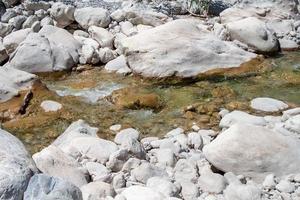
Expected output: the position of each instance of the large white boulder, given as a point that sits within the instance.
(180, 48)
(89, 16)
(52, 49)
(12, 41)
(254, 33)
(12, 81)
(254, 151)
(16, 167)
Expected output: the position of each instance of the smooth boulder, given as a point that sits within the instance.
(89, 16)
(254, 151)
(181, 48)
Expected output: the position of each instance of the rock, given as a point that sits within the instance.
(36, 26)
(128, 29)
(47, 21)
(97, 190)
(5, 29)
(98, 172)
(46, 187)
(164, 157)
(174, 132)
(154, 52)
(293, 124)
(145, 171)
(106, 55)
(195, 140)
(89, 16)
(211, 182)
(62, 14)
(185, 171)
(268, 104)
(189, 191)
(251, 152)
(254, 33)
(12, 41)
(118, 15)
(242, 192)
(16, 167)
(52, 49)
(35, 6)
(89, 52)
(163, 186)
(10, 3)
(91, 149)
(118, 65)
(141, 193)
(126, 134)
(12, 81)
(285, 186)
(102, 36)
(17, 21)
(119, 181)
(3, 53)
(51, 106)
(9, 14)
(237, 117)
(290, 113)
(118, 159)
(30, 21)
(54, 162)
(269, 182)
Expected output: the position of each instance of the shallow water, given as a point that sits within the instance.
(83, 97)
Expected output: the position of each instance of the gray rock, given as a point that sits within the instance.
(30, 21)
(18, 21)
(16, 167)
(106, 55)
(154, 52)
(211, 182)
(10, 13)
(89, 16)
(54, 162)
(249, 150)
(126, 134)
(12, 41)
(238, 117)
(5, 29)
(52, 49)
(254, 33)
(118, 159)
(141, 193)
(10, 3)
(163, 186)
(285, 186)
(97, 190)
(268, 104)
(12, 81)
(3, 53)
(134, 147)
(47, 21)
(118, 65)
(118, 15)
(62, 14)
(119, 181)
(102, 36)
(46, 187)
(98, 172)
(35, 6)
(145, 171)
(36, 26)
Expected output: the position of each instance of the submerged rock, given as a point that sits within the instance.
(254, 151)
(180, 48)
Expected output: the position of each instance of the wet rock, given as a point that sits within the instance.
(62, 14)
(52, 49)
(118, 15)
(153, 53)
(45, 187)
(237, 117)
(102, 36)
(141, 193)
(268, 104)
(254, 33)
(97, 190)
(12, 41)
(54, 162)
(118, 65)
(51, 106)
(89, 16)
(134, 98)
(12, 81)
(145, 171)
(249, 150)
(16, 167)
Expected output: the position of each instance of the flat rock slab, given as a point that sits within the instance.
(182, 48)
(254, 151)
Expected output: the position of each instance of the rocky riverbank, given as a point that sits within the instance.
(149, 100)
